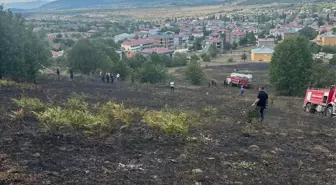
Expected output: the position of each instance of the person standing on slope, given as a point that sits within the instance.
(118, 77)
(261, 102)
(172, 88)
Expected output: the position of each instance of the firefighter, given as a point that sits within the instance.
(118, 77)
(172, 88)
(261, 102)
(242, 90)
(58, 73)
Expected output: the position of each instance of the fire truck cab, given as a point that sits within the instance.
(321, 101)
(239, 79)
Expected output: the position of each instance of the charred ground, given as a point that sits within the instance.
(291, 147)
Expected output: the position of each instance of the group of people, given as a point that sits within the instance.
(70, 73)
(108, 77)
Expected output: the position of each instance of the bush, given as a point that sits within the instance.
(231, 60)
(30, 104)
(194, 73)
(112, 111)
(171, 122)
(10, 83)
(332, 61)
(210, 110)
(56, 119)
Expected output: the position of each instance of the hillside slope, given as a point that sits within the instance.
(74, 4)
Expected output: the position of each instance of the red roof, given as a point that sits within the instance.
(215, 40)
(137, 42)
(265, 40)
(157, 50)
(238, 33)
(130, 54)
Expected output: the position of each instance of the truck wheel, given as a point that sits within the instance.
(329, 112)
(309, 108)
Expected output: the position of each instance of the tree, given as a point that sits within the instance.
(194, 73)
(234, 45)
(86, 57)
(180, 59)
(194, 58)
(227, 46)
(251, 39)
(290, 67)
(198, 44)
(320, 22)
(136, 62)
(332, 61)
(308, 32)
(322, 75)
(22, 52)
(213, 50)
(244, 57)
(205, 57)
(243, 41)
(334, 30)
(151, 73)
(314, 48)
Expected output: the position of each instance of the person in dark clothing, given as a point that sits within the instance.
(107, 78)
(58, 73)
(261, 102)
(111, 77)
(0, 76)
(102, 77)
(71, 74)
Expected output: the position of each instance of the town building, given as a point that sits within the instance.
(161, 51)
(217, 41)
(326, 39)
(262, 54)
(290, 33)
(163, 40)
(137, 44)
(122, 37)
(266, 43)
(234, 36)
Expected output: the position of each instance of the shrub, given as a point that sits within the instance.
(30, 104)
(55, 119)
(76, 103)
(10, 83)
(210, 110)
(252, 115)
(112, 111)
(171, 122)
(231, 60)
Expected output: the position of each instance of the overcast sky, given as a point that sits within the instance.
(15, 1)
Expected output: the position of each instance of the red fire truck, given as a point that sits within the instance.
(321, 101)
(239, 79)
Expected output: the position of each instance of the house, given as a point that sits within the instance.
(56, 54)
(262, 54)
(122, 37)
(217, 41)
(234, 36)
(198, 33)
(137, 44)
(290, 33)
(266, 43)
(161, 51)
(326, 39)
(163, 40)
(180, 39)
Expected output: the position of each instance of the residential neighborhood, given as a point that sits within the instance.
(227, 32)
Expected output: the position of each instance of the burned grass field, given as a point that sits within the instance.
(221, 147)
